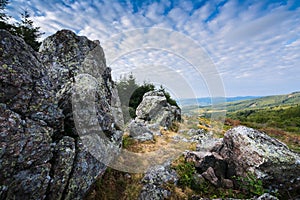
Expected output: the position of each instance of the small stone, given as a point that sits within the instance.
(227, 183)
(209, 175)
(140, 132)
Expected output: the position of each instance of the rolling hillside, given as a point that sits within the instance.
(282, 101)
(278, 116)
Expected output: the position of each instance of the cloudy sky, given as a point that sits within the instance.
(193, 48)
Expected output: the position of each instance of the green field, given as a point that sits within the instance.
(278, 116)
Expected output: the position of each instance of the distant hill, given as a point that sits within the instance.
(265, 102)
(191, 106)
(207, 101)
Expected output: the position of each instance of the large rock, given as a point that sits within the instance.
(248, 150)
(242, 151)
(67, 55)
(42, 155)
(25, 86)
(25, 156)
(154, 108)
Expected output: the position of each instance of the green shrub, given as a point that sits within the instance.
(127, 141)
(185, 171)
(250, 185)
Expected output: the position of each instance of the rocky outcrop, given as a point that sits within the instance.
(154, 111)
(265, 196)
(244, 150)
(42, 155)
(248, 150)
(154, 108)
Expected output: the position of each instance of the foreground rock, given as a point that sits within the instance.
(42, 155)
(265, 196)
(244, 150)
(248, 150)
(155, 181)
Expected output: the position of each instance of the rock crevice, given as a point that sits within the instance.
(42, 155)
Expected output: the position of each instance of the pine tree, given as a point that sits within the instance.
(28, 31)
(4, 17)
(24, 29)
(3, 4)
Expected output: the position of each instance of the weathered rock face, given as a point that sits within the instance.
(42, 155)
(25, 84)
(154, 108)
(248, 150)
(244, 150)
(67, 55)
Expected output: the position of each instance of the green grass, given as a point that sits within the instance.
(287, 119)
(279, 122)
(188, 186)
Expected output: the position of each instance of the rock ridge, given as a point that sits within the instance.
(42, 155)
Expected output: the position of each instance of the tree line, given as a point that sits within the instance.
(23, 28)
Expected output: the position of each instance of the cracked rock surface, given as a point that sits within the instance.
(41, 153)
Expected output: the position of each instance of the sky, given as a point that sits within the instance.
(193, 48)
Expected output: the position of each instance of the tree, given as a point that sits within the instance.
(3, 4)
(137, 96)
(26, 30)
(171, 101)
(126, 86)
(4, 17)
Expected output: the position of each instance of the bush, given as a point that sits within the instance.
(185, 171)
(250, 185)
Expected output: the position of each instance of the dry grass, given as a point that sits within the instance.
(159, 142)
(116, 185)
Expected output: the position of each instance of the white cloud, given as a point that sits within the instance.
(251, 43)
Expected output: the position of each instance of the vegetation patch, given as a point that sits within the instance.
(282, 123)
(116, 185)
(250, 185)
(188, 186)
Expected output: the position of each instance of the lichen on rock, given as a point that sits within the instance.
(42, 153)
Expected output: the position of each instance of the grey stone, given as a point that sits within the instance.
(139, 131)
(198, 179)
(266, 196)
(248, 150)
(154, 180)
(41, 155)
(227, 183)
(209, 175)
(154, 108)
(192, 132)
(64, 155)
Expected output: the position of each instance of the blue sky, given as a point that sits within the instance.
(252, 45)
